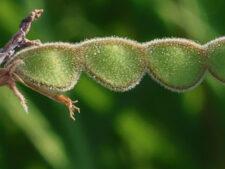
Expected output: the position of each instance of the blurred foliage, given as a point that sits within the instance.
(148, 127)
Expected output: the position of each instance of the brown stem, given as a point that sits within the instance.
(19, 39)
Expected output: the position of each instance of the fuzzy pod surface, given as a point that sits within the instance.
(116, 63)
(216, 58)
(54, 66)
(177, 64)
(119, 64)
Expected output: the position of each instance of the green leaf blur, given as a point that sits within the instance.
(148, 127)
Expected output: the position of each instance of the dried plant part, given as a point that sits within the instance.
(19, 40)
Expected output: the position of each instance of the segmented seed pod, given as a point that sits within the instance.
(53, 66)
(216, 58)
(119, 64)
(116, 63)
(177, 64)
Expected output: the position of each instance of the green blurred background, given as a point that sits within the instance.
(148, 127)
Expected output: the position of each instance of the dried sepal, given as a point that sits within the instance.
(19, 39)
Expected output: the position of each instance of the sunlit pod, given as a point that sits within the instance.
(216, 58)
(177, 64)
(54, 66)
(115, 62)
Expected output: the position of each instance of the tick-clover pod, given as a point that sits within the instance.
(116, 63)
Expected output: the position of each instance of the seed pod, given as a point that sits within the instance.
(177, 64)
(54, 66)
(116, 63)
(216, 58)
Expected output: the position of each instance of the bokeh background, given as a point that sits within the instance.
(148, 127)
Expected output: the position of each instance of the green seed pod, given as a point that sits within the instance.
(115, 62)
(216, 58)
(54, 66)
(177, 64)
